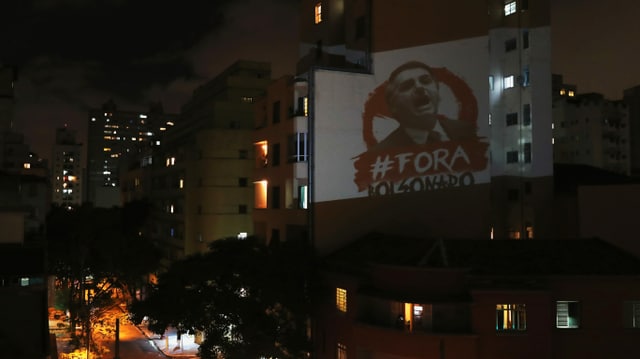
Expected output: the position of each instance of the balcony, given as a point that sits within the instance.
(402, 343)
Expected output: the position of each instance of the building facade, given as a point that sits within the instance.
(66, 170)
(591, 130)
(201, 173)
(396, 297)
(116, 137)
(372, 169)
(281, 142)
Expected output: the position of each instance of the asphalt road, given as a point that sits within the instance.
(134, 345)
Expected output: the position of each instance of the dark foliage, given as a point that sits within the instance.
(249, 300)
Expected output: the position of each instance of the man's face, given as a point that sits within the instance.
(415, 100)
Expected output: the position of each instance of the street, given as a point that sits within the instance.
(134, 344)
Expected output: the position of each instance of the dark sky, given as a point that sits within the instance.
(74, 55)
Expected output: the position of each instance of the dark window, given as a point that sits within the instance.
(524, 4)
(527, 152)
(360, 27)
(243, 181)
(275, 234)
(275, 197)
(242, 209)
(275, 154)
(276, 112)
(525, 76)
(512, 118)
(528, 188)
(512, 195)
(512, 156)
(319, 49)
(243, 154)
(526, 114)
(510, 45)
(525, 39)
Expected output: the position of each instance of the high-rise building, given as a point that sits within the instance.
(632, 101)
(281, 145)
(591, 130)
(420, 122)
(114, 137)
(201, 172)
(66, 170)
(7, 101)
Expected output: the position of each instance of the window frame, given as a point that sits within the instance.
(341, 299)
(512, 157)
(572, 307)
(510, 8)
(508, 82)
(317, 13)
(511, 317)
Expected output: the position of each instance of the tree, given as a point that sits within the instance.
(94, 251)
(249, 300)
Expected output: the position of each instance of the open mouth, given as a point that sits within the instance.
(422, 102)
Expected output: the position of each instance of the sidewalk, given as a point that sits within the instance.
(169, 344)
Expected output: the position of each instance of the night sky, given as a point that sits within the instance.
(74, 55)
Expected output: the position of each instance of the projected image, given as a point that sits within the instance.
(429, 149)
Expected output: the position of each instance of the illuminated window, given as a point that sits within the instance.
(571, 93)
(511, 317)
(181, 183)
(341, 299)
(247, 99)
(306, 106)
(342, 351)
(303, 201)
(567, 314)
(508, 82)
(260, 189)
(529, 231)
(318, 13)
(563, 92)
(26, 165)
(106, 149)
(262, 153)
(632, 314)
(513, 235)
(509, 8)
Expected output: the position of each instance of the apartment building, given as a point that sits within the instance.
(386, 296)
(489, 93)
(116, 137)
(591, 130)
(281, 145)
(66, 170)
(201, 172)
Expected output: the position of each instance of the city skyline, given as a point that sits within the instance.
(56, 88)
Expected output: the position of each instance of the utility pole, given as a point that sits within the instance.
(117, 349)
